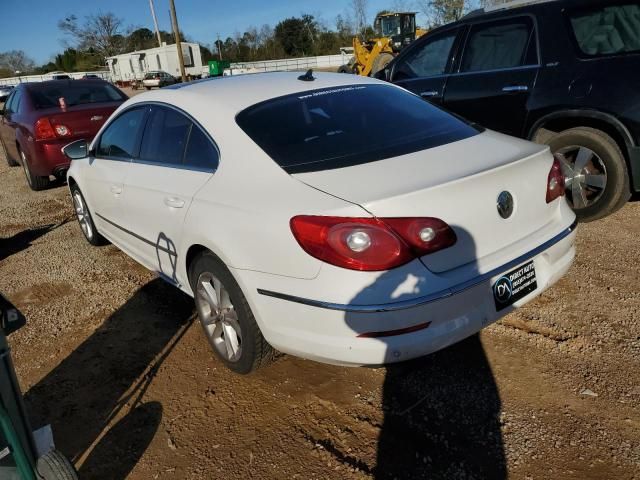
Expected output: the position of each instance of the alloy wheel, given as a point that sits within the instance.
(218, 317)
(83, 215)
(585, 175)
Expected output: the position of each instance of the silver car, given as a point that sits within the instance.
(157, 79)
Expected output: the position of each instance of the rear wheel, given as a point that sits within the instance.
(380, 63)
(84, 218)
(35, 182)
(595, 171)
(10, 161)
(225, 316)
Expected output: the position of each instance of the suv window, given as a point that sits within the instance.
(331, 128)
(429, 60)
(607, 30)
(120, 137)
(497, 45)
(165, 136)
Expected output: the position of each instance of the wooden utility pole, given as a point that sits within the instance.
(155, 22)
(176, 34)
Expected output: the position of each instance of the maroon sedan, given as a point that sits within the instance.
(40, 118)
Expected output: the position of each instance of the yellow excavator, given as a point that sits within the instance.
(395, 31)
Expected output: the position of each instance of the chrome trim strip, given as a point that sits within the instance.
(416, 302)
(135, 235)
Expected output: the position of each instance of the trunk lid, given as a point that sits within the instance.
(458, 183)
(83, 120)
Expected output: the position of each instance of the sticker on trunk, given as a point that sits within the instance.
(514, 285)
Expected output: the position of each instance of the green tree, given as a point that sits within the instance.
(294, 36)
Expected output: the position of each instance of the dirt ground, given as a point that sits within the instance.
(112, 358)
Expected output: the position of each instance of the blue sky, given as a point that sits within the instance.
(31, 25)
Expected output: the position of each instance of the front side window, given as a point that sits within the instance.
(497, 45)
(9, 104)
(165, 136)
(428, 60)
(332, 128)
(120, 138)
(607, 30)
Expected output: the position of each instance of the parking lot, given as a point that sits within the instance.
(112, 359)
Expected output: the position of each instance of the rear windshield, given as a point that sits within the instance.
(74, 93)
(607, 30)
(151, 75)
(346, 126)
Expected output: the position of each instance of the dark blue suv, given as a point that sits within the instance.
(564, 72)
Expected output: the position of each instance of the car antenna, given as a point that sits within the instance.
(307, 77)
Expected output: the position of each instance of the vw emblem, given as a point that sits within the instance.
(503, 289)
(505, 204)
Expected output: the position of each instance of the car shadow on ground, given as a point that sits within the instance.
(24, 239)
(94, 399)
(441, 412)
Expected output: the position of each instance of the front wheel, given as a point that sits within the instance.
(596, 176)
(84, 218)
(225, 316)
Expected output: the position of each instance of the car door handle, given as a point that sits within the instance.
(515, 88)
(174, 202)
(429, 94)
(116, 190)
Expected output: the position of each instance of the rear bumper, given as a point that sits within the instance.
(47, 158)
(332, 333)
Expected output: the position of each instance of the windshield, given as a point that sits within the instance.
(390, 26)
(348, 125)
(151, 75)
(74, 93)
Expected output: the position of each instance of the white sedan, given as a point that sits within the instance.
(333, 217)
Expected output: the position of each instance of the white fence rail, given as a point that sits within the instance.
(49, 76)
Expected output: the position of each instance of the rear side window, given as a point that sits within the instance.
(607, 30)
(200, 154)
(74, 93)
(165, 136)
(120, 137)
(497, 45)
(349, 125)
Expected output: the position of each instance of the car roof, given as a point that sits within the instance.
(235, 93)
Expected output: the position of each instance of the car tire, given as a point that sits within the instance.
(607, 159)
(230, 321)
(344, 69)
(380, 63)
(10, 161)
(55, 466)
(35, 182)
(85, 220)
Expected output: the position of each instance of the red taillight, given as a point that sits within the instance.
(555, 180)
(370, 244)
(45, 131)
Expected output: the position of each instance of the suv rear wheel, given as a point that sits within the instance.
(595, 172)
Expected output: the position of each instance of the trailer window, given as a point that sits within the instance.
(348, 125)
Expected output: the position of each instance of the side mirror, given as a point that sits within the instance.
(10, 317)
(76, 150)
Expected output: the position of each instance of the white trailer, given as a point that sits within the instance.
(128, 67)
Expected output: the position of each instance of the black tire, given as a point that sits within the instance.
(94, 238)
(55, 466)
(380, 62)
(256, 351)
(345, 69)
(35, 182)
(10, 161)
(617, 190)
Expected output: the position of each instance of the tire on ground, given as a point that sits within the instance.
(380, 62)
(10, 161)
(35, 182)
(617, 190)
(96, 240)
(55, 466)
(256, 351)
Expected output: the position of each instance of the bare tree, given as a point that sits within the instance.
(359, 8)
(101, 32)
(401, 6)
(16, 60)
(440, 12)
